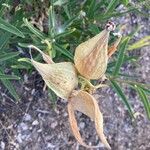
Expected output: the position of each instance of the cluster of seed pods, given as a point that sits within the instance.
(90, 62)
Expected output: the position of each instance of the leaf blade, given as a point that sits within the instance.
(121, 56)
(144, 100)
(9, 77)
(7, 56)
(9, 86)
(122, 96)
(10, 28)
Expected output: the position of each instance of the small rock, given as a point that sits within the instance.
(30, 128)
(65, 114)
(27, 117)
(23, 126)
(54, 124)
(32, 92)
(35, 123)
(19, 139)
(82, 125)
(40, 130)
(25, 78)
(2, 145)
(49, 145)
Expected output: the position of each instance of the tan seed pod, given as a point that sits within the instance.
(59, 77)
(91, 56)
(84, 102)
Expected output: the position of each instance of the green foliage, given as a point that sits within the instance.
(121, 55)
(122, 96)
(144, 100)
(68, 23)
(10, 28)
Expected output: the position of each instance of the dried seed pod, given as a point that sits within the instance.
(91, 56)
(59, 77)
(85, 103)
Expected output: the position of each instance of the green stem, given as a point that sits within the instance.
(85, 82)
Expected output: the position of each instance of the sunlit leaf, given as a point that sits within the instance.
(141, 43)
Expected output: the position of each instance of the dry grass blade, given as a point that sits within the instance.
(85, 103)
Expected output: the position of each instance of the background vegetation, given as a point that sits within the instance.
(57, 27)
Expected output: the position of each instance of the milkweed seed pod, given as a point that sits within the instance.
(84, 102)
(91, 56)
(59, 77)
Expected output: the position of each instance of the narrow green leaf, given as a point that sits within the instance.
(6, 56)
(125, 60)
(111, 6)
(120, 93)
(4, 39)
(94, 29)
(91, 9)
(9, 77)
(34, 30)
(105, 17)
(21, 66)
(10, 28)
(125, 2)
(109, 72)
(144, 100)
(63, 51)
(9, 86)
(67, 11)
(147, 91)
(141, 43)
(120, 59)
(52, 21)
(64, 34)
(3, 7)
(24, 60)
(69, 22)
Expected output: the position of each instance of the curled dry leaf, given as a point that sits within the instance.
(85, 103)
(91, 56)
(59, 77)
